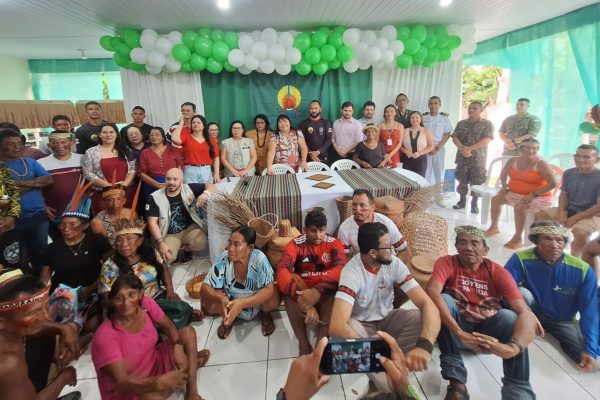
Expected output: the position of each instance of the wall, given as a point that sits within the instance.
(15, 80)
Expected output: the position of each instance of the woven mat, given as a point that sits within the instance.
(380, 181)
(277, 194)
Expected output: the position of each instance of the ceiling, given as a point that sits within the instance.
(53, 29)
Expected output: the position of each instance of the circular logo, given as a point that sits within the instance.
(289, 97)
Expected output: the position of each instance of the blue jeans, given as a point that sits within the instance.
(34, 230)
(194, 174)
(516, 370)
(567, 333)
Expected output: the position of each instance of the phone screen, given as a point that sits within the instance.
(354, 356)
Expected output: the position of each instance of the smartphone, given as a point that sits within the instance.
(354, 356)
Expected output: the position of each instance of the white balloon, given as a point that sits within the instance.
(469, 47)
(373, 55)
(149, 33)
(467, 31)
(172, 65)
(267, 67)
(453, 29)
(387, 56)
(175, 37)
(269, 36)
(152, 70)
(456, 55)
(148, 42)
(156, 59)
(260, 50)
(245, 43)
(368, 37)
(139, 55)
(382, 43)
(389, 32)
(286, 39)
(256, 35)
(397, 47)
(360, 49)
(351, 36)
(236, 58)
(293, 32)
(351, 66)
(277, 53)
(283, 69)
(293, 56)
(164, 46)
(379, 64)
(243, 70)
(251, 62)
(364, 64)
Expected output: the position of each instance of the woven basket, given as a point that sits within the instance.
(193, 285)
(344, 206)
(276, 245)
(392, 208)
(265, 227)
(284, 227)
(426, 234)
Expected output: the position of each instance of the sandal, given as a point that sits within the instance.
(455, 390)
(267, 324)
(492, 232)
(513, 245)
(203, 356)
(224, 331)
(197, 315)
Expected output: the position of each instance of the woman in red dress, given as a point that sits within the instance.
(391, 134)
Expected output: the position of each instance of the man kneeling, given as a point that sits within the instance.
(363, 302)
(467, 289)
(308, 275)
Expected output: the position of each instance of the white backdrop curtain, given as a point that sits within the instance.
(419, 84)
(161, 95)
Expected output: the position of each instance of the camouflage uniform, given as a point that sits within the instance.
(404, 119)
(471, 170)
(516, 126)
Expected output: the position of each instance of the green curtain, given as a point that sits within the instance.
(586, 49)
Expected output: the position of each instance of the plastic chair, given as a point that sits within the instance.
(344, 164)
(562, 160)
(489, 189)
(279, 169)
(316, 166)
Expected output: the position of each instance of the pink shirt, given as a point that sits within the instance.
(138, 350)
(345, 133)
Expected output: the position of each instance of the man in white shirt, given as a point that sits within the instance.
(440, 126)
(368, 114)
(363, 302)
(347, 133)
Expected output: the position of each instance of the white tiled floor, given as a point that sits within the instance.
(249, 366)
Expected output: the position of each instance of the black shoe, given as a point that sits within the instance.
(474, 206)
(461, 203)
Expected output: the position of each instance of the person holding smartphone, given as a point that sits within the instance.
(363, 302)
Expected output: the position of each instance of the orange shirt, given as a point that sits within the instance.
(526, 182)
(197, 153)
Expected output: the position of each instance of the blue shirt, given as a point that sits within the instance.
(23, 169)
(583, 190)
(561, 290)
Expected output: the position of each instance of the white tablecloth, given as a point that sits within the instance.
(218, 234)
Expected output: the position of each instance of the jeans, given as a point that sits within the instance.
(567, 333)
(516, 370)
(34, 229)
(194, 174)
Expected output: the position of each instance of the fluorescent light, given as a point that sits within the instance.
(445, 3)
(223, 4)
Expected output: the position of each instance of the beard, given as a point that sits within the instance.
(384, 261)
(315, 115)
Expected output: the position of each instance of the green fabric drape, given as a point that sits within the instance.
(63, 66)
(586, 49)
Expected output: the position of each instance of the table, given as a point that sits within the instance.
(218, 234)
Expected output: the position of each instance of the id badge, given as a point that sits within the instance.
(389, 142)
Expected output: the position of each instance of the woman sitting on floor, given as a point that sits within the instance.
(529, 189)
(371, 152)
(240, 285)
(130, 360)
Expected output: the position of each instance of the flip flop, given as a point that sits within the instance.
(492, 232)
(197, 315)
(513, 245)
(203, 356)
(267, 324)
(224, 331)
(454, 390)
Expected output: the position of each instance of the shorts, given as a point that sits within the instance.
(589, 225)
(540, 203)
(164, 360)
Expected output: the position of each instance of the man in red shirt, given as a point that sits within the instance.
(467, 288)
(308, 275)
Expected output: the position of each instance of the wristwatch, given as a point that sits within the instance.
(280, 395)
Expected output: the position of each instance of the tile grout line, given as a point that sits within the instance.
(267, 369)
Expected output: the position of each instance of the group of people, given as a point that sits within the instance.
(106, 275)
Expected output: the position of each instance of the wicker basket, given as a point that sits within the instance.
(265, 227)
(285, 227)
(193, 285)
(344, 206)
(426, 234)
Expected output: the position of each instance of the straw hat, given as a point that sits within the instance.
(370, 126)
(420, 268)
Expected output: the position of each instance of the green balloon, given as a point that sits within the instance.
(445, 54)
(403, 33)
(303, 68)
(404, 61)
(204, 32)
(442, 40)
(334, 64)
(328, 53)
(186, 67)
(132, 39)
(203, 47)
(105, 43)
(302, 42)
(430, 41)
(336, 40)
(220, 51)
(217, 35)
(127, 33)
(419, 32)
(181, 52)
(344, 54)
(440, 30)
(229, 67)
(213, 66)
(411, 46)
(320, 68)
(115, 41)
(420, 54)
(427, 64)
(197, 62)
(454, 42)
(231, 38)
(312, 55)
(189, 38)
(325, 30)
(136, 67)
(122, 49)
(121, 61)
(318, 39)
(432, 56)
(339, 29)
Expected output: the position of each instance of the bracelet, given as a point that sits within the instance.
(425, 344)
(159, 241)
(515, 341)
(207, 192)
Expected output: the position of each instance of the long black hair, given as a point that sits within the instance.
(237, 121)
(147, 255)
(264, 118)
(123, 151)
(162, 133)
(205, 134)
(279, 118)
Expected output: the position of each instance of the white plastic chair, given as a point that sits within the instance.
(344, 164)
(562, 160)
(489, 189)
(316, 166)
(279, 169)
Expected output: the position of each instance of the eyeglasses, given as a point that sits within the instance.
(390, 248)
